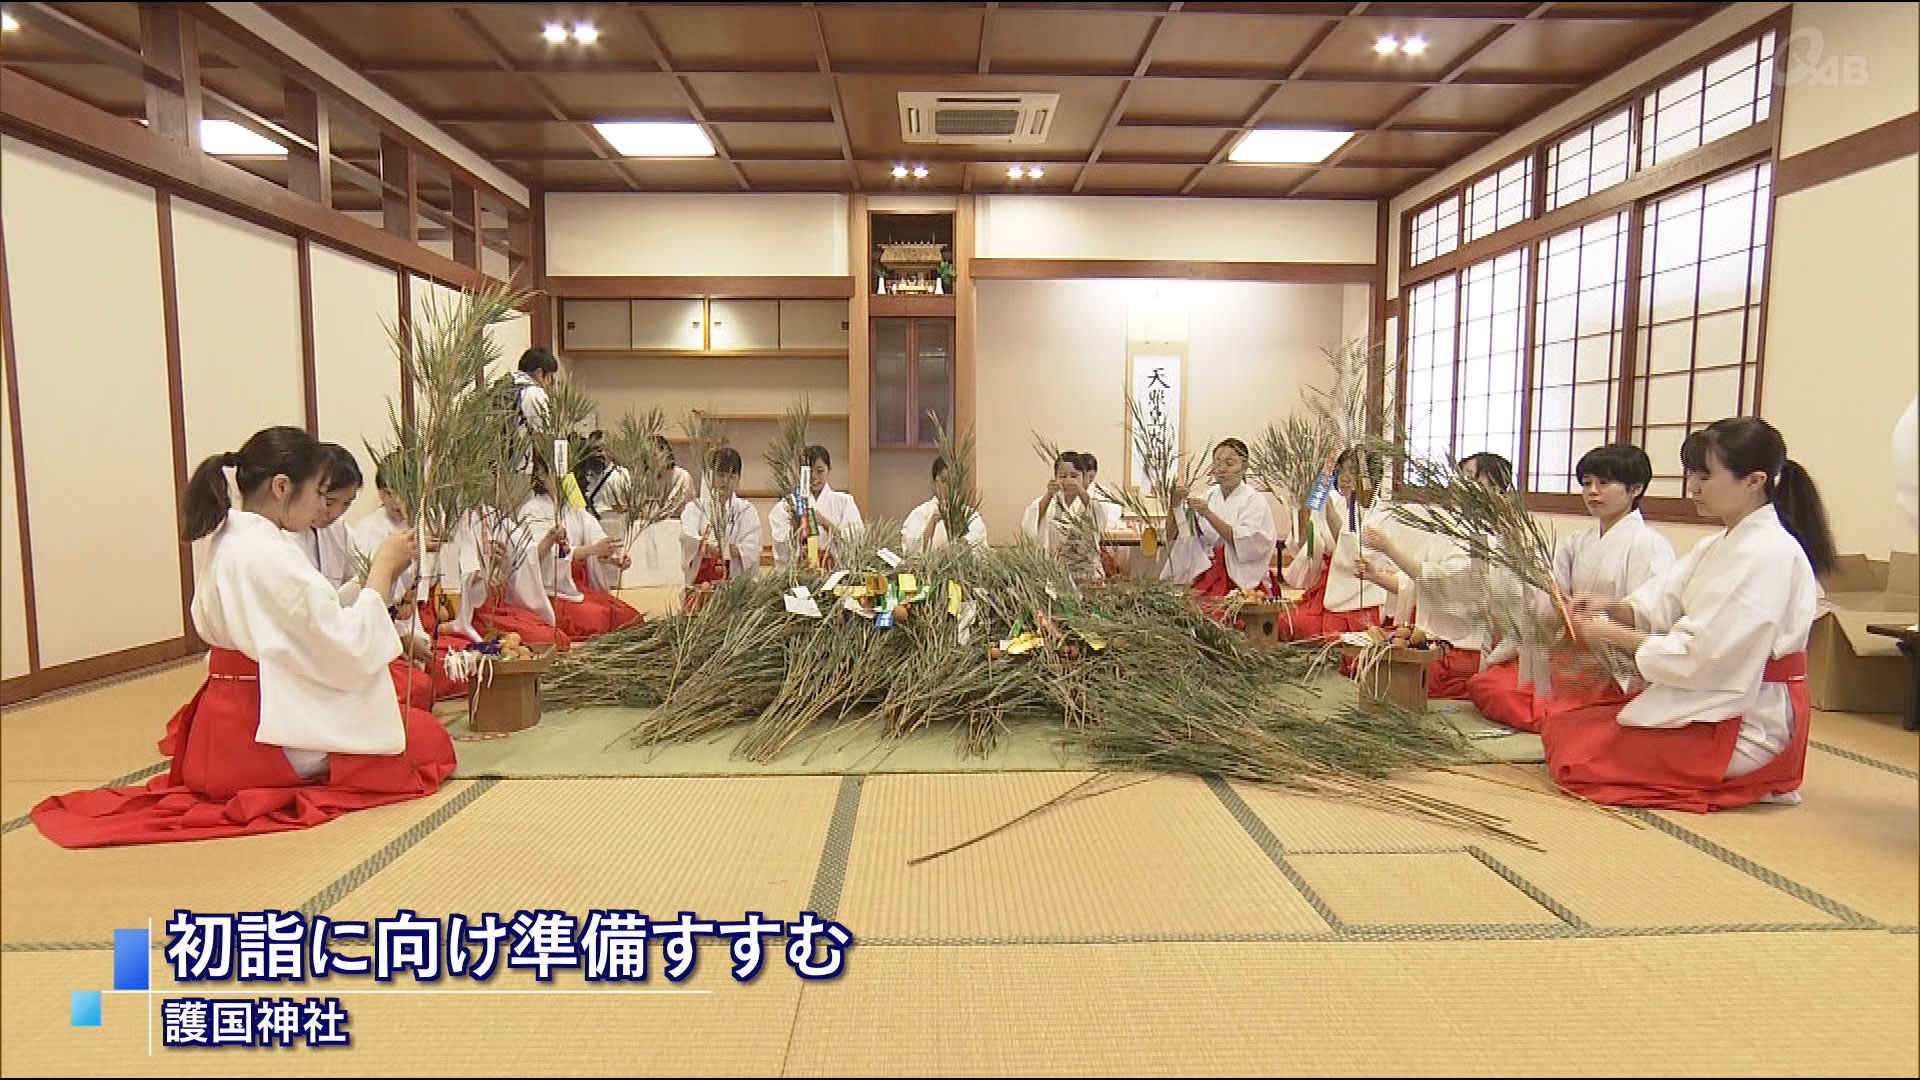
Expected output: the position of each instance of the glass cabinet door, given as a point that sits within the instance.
(891, 392)
(933, 377)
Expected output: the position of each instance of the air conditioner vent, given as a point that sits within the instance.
(979, 119)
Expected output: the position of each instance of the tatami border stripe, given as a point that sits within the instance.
(1753, 869)
(128, 780)
(1871, 762)
(831, 875)
(1533, 892)
(398, 846)
(1271, 846)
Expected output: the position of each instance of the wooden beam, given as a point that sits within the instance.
(569, 287)
(466, 228)
(1190, 270)
(1140, 66)
(1249, 121)
(504, 62)
(400, 201)
(309, 171)
(176, 400)
(10, 363)
(309, 354)
(823, 63)
(986, 38)
(859, 341)
(1862, 150)
(168, 41)
(1451, 77)
(680, 87)
(51, 118)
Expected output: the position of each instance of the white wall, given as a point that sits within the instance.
(615, 234)
(1851, 67)
(83, 255)
(1052, 359)
(357, 373)
(1227, 230)
(1843, 342)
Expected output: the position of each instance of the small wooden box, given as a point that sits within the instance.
(506, 696)
(1401, 678)
(1261, 623)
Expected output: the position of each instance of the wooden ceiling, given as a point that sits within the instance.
(802, 97)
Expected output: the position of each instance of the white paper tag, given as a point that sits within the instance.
(833, 579)
(889, 558)
(559, 458)
(801, 605)
(969, 611)
(801, 592)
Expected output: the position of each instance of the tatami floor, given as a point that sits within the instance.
(1168, 927)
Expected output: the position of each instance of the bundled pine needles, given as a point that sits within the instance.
(958, 498)
(1133, 669)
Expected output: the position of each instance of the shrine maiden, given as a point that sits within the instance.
(296, 722)
(834, 513)
(924, 530)
(701, 548)
(1337, 598)
(1615, 556)
(1233, 545)
(1720, 639)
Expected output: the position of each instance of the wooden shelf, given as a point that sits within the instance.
(879, 306)
(895, 448)
(765, 417)
(706, 354)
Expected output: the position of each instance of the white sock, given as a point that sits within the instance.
(1782, 798)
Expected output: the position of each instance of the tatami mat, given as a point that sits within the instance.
(596, 742)
(1878, 736)
(1423, 888)
(53, 894)
(717, 847)
(1609, 870)
(96, 735)
(739, 1029)
(1162, 857)
(1800, 1004)
(1854, 823)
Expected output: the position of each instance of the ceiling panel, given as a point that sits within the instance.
(1209, 101)
(1203, 41)
(902, 36)
(1067, 40)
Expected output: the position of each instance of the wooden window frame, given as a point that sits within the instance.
(919, 432)
(1734, 151)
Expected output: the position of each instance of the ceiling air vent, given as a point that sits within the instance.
(977, 119)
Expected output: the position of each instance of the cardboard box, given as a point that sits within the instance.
(1849, 669)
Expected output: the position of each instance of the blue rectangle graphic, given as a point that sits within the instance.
(86, 1008)
(131, 961)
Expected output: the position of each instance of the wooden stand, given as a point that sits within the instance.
(506, 697)
(1261, 623)
(1401, 678)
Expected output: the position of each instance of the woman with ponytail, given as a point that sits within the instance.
(296, 722)
(1720, 640)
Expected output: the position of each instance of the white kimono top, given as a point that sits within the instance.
(537, 514)
(324, 686)
(1249, 550)
(330, 550)
(1740, 598)
(461, 567)
(1615, 563)
(1346, 590)
(368, 534)
(916, 526)
(837, 507)
(743, 537)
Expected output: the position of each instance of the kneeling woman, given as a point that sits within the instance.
(1720, 639)
(296, 722)
(1337, 598)
(1234, 545)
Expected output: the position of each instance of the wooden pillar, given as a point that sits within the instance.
(167, 39)
(859, 403)
(400, 198)
(966, 322)
(467, 239)
(309, 170)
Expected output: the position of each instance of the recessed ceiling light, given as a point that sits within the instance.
(919, 172)
(899, 172)
(1288, 146)
(1386, 45)
(1036, 173)
(633, 138)
(228, 139)
(8, 23)
(585, 33)
(1014, 172)
(1414, 45)
(555, 34)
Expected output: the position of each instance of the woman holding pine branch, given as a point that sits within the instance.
(296, 723)
(1720, 639)
(1620, 553)
(720, 531)
(1414, 575)
(1337, 598)
(1233, 547)
(570, 542)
